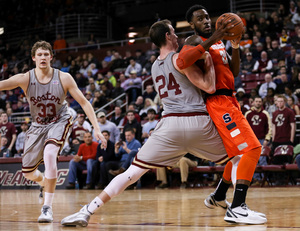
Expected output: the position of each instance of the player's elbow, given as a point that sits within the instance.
(180, 63)
(210, 89)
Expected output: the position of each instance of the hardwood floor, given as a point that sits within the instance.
(150, 209)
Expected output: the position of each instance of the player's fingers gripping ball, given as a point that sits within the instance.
(236, 31)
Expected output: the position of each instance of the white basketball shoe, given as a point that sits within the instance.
(243, 215)
(46, 215)
(211, 203)
(80, 218)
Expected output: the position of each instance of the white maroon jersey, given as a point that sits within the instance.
(177, 93)
(47, 101)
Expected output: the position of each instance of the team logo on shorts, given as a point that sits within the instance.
(226, 117)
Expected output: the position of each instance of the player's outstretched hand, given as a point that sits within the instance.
(99, 136)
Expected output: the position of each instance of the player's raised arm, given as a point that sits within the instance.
(70, 86)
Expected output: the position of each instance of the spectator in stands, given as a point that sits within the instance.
(147, 105)
(139, 103)
(83, 160)
(78, 130)
(295, 40)
(59, 43)
(92, 41)
(104, 68)
(281, 82)
(291, 60)
(89, 96)
(93, 69)
(260, 121)
(296, 18)
(276, 54)
(134, 124)
(128, 56)
(251, 22)
(4, 149)
(12, 97)
(108, 56)
(86, 125)
(73, 68)
(256, 53)
(267, 84)
(21, 139)
(65, 67)
(104, 156)
(133, 66)
(111, 78)
(122, 79)
(8, 130)
(20, 107)
(149, 93)
(132, 107)
(84, 68)
(80, 80)
(248, 65)
(133, 86)
(284, 39)
(268, 44)
(277, 23)
(264, 64)
(117, 91)
(118, 117)
(148, 65)
(293, 106)
(184, 164)
(151, 113)
(292, 8)
(283, 124)
(288, 93)
(107, 125)
(106, 82)
(140, 57)
(246, 42)
(99, 100)
(127, 150)
(117, 64)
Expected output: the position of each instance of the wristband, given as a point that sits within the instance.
(201, 49)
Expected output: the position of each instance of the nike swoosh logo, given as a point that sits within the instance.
(224, 207)
(244, 215)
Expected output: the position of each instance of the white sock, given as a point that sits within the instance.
(95, 204)
(48, 199)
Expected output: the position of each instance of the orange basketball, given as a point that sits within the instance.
(238, 28)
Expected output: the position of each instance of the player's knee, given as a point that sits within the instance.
(30, 175)
(254, 154)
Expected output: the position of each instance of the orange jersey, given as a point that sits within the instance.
(225, 78)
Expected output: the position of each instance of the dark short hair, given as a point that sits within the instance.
(151, 110)
(191, 10)
(130, 130)
(106, 132)
(130, 111)
(157, 32)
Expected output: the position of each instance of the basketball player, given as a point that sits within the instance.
(45, 89)
(236, 133)
(184, 127)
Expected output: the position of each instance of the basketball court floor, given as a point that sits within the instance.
(151, 209)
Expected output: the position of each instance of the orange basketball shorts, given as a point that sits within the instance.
(235, 131)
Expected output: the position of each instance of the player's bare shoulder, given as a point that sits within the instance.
(66, 79)
(193, 40)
